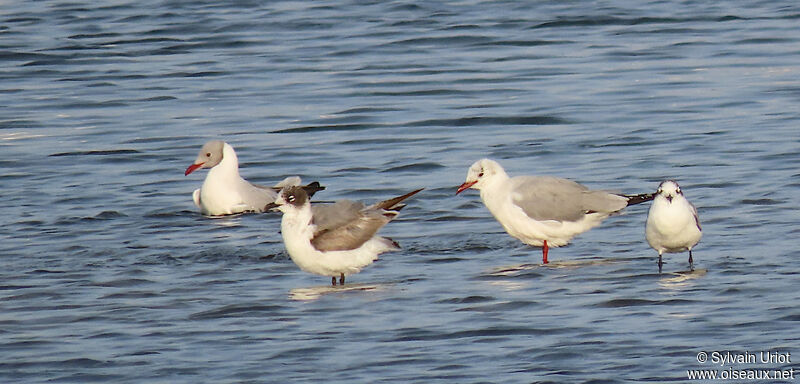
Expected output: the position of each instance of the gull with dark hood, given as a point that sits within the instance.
(337, 239)
(224, 191)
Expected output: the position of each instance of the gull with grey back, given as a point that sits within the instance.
(672, 223)
(225, 192)
(543, 211)
(337, 239)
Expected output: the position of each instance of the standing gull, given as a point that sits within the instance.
(224, 192)
(336, 239)
(542, 211)
(672, 223)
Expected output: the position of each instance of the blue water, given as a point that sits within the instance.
(109, 273)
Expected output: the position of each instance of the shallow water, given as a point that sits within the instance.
(110, 275)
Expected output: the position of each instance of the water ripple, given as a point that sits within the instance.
(110, 274)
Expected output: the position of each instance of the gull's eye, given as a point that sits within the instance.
(208, 154)
(480, 174)
(290, 198)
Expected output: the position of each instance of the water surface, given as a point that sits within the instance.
(111, 275)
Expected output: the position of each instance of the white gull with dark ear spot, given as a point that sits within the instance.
(224, 192)
(338, 239)
(543, 211)
(672, 223)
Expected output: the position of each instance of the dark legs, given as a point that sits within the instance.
(341, 279)
(660, 263)
(544, 252)
(691, 262)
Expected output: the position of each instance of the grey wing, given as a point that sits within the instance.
(604, 202)
(552, 198)
(696, 217)
(256, 197)
(327, 216)
(548, 198)
(353, 233)
(291, 181)
(287, 182)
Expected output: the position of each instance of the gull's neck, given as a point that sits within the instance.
(495, 190)
(228, 168)
(297, 220)
(494, 184)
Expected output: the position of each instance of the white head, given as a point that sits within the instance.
(669, 190)
(480, 173)
(210, 155)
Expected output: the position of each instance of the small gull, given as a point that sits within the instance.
(672, 223)
(224, 192)
(334, 239)
(543, 211)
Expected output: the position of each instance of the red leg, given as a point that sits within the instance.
(544, 252)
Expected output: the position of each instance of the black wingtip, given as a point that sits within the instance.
(392, 204)
(641, 198)
(394, 243)
(270, 207)
(313, 188)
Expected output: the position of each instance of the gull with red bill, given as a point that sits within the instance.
(543, 211)
(224, 192)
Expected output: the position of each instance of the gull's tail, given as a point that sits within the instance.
(638, 199)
